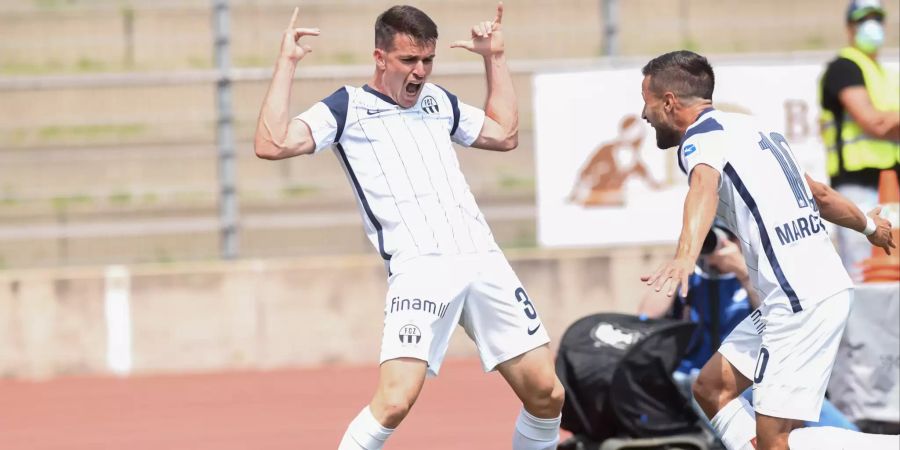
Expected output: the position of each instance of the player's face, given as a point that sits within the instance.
(406, 68)
(667, 135)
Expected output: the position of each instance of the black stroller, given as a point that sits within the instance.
(617, 371)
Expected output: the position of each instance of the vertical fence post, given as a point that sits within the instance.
(610, 17)
(228, 205)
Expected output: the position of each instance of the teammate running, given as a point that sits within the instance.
(745, 175)
(393, 137)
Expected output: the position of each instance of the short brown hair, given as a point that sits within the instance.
(404, 19)
(684, 73)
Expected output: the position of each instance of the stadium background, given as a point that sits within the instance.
(108, 185)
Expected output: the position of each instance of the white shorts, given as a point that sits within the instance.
(789, 355)
(480, 292)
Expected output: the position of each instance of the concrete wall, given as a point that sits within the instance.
(265, 313)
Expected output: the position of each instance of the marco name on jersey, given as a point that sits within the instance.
(799, 228)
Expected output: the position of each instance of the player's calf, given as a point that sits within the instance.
(772, 432)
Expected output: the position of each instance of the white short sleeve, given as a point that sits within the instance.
(471, 120)
(321, 123)
(705, 147)
(326, 118)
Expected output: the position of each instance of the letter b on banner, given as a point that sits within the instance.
(795, 124)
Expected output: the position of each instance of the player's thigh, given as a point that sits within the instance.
(422, 308)
(719, 377)
(741, 347)
(499, 315)
(797, 353)
(726, 374)
(530, 373)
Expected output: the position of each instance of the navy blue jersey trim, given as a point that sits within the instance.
(372, 91)
(454, 105)
(337, 102)
(706, 126)
(702, 113)
(764, 237)
(365, 203)
(679, 157)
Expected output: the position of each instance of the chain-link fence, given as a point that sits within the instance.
(107, 116)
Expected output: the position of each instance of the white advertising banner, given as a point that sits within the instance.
(601, 180)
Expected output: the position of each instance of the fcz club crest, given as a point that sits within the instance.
(430, 105)
(410, 334)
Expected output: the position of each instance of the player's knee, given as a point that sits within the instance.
(547, 398)
(557, 396)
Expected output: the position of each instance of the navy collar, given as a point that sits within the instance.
(372, 91)
(686, 134)
(702, 113)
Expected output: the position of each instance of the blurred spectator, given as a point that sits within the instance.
(860, 122)
(720, 297)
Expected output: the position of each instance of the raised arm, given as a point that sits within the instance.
(838, 210)
(277, 135)
(501, 123)
(699, 211)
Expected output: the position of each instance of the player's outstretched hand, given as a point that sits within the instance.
(487, 37)
(674, 273)
(882, 235)
(291, 48)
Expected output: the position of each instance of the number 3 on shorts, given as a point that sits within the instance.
(761, 362)
(522, 297)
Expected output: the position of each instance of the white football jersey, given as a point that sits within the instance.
(765, 200)
(412, 196)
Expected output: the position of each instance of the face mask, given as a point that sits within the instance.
(869, 36)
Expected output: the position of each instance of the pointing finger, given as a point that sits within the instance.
(294, 17)
(300, 32)
(499, 13)
(468, 45)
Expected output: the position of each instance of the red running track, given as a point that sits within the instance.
(463, 408)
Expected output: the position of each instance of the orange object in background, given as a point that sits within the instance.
(881, 266)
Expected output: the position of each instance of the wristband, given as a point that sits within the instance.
(870, 227)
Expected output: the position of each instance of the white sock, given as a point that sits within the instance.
(736, 424)
(831, 438)
(365, 433)
(534, 433)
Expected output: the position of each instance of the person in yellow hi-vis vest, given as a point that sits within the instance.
(860, 120)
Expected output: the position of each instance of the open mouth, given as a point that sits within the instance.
(413, 88)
